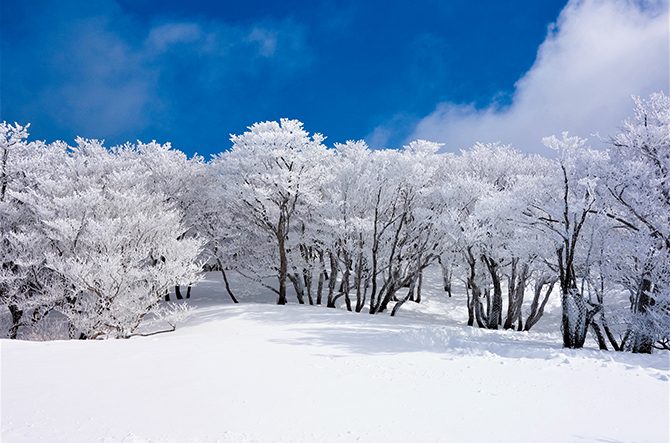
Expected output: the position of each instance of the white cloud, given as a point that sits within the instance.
(98, 72)
(266, 40)
(163, 36)
(596, 55)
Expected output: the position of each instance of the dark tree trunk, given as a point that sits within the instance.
(366, 285)
(283, 264)
(610, 336)
(177, 292)
(319, 287)
(358, 281)
(388, 296)
(481, 314)
(347, 300)
(358, 276)
(575, 314)
(16, 314)
(375, 246)
(600, 338)
(643, 342)
(537, 308)
(419, 283)
(511, 295)
(307, 277)
(188, 292)
(409, 296)
(344, 286)
(474, 304)
(516, 295)
(332, 281)
(297, 286)
(225, 282)
(471, 309)
(446, 276)
(494, 316)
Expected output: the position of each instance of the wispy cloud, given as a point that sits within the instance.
(103, 73)
(596, 55)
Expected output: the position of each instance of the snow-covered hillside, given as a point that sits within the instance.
(257, 372)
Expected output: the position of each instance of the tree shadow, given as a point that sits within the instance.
(334, 332)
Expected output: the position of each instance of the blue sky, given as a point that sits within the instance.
(193, 72)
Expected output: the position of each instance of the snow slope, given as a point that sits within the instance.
(256, 372)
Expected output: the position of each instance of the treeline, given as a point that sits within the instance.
(98, 237)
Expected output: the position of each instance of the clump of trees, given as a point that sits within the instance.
(88, 234)
(101, 236)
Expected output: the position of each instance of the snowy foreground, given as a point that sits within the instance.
(256, 372)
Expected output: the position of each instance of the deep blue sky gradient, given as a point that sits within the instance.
(91, 68)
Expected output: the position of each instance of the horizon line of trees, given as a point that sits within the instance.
(97, 238)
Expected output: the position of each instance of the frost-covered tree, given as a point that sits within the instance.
(636, 188)
(273, 174)
(348, 216)
(383, 215)
(488, 189)
(100, 235)
(25, 283)
(182, 181)
(562, 212)
(117, 245)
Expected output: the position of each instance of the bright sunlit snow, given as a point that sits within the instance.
(257, 372)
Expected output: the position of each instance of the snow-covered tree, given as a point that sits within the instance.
(636, 188)
(25, 283)
(273, 174)
(562, 213)
(117, 245)
(488, 189)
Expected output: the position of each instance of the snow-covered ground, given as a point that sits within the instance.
(257, 372)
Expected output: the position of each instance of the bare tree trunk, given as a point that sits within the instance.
(602, 344)
(643, 342)
(177, 292)
(389, 289)
(418, 287)
(307, 277)
(16, 314)
(511, 293)
(537, 308)
(474, 305)
(225, 282)
(332, 281)
(409, 295)
(319, 287)
(482, 315)
(366, 285)
(574, 313)
(297, 285)
(516, 294)
(471, 309)
(358, 281)
(283, 262)
(608, 332)
(345, 280)
(447, 274)
(495, 312)
(375, 248)
(322, 276)
(347, 300)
